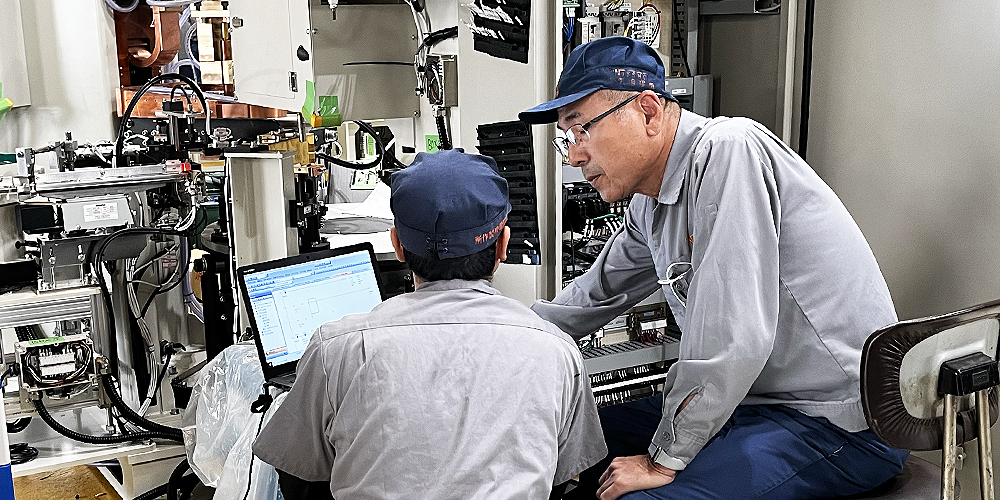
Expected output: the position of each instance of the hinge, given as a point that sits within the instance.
(293, 81)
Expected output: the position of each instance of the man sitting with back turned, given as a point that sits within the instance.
(452, 391)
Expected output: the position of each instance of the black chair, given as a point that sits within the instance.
(930, 384)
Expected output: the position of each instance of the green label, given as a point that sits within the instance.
(50, 340)
(433, 143)
(329, 111)
(369, 146)
(309, 105)
(5, 104)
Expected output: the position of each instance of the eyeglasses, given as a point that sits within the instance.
(676, 271)
(578, 133)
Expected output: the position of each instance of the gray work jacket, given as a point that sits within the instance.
(782, 293)
(450, 392)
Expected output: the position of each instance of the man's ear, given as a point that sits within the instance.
(396, 245)
(502, 244)
(652, 111)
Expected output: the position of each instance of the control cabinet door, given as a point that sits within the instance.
(272, 52)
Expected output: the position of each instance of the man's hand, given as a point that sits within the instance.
(626, 474)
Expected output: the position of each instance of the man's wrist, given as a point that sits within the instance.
(660, 457)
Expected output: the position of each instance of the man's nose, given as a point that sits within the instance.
(578, 156)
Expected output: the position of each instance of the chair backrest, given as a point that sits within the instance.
(899, 375)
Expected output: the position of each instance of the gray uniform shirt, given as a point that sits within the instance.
(782, 293)
(449, 392)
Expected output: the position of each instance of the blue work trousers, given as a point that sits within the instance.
(762, 452)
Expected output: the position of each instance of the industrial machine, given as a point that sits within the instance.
(92, 234)
(104, 311)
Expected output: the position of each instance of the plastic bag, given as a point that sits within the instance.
(219, 429)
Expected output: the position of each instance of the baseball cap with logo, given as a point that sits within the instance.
(612, 63)
(449, 204)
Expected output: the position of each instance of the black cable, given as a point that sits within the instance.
(157, 492)
(120, 140)
(129, 414)
(261, 405)
(186, 95)
(170, 350)
(187, 486)
(18, 425)
(250, 474)
(680, 38)
(161, 290)
(86, 438)
(95, 257)
(140, 270)
(444, 142)
(175, 477)
(379, 151)
(437, 37)
(21, 453)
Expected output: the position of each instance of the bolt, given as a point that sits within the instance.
(52, 260)
(20, 154)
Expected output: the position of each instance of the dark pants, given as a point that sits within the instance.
(762, 452)
(293, 488)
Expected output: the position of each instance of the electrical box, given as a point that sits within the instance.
(49, 344)
(442, 80)
(286, 56)
(693, 93)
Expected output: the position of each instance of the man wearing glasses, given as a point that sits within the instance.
(771, 281)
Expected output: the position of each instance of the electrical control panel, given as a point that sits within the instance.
(56, 364)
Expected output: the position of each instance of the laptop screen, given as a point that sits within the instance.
(290, 302)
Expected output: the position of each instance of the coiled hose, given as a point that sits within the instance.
(86, 438)
(445, 141)
(153, 429)
(173, 484)
(157, 492)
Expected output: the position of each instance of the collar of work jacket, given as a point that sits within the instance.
(444, 285)
(679, 157)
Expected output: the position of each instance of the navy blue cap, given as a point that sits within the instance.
(612, 63)
(449, 204)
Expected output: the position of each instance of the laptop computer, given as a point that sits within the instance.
(288, 299)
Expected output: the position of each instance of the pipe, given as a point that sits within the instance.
(985, 452)
(948, 448)
(116, 7)
(171, 3)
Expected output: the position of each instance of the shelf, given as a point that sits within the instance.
(627, 354)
